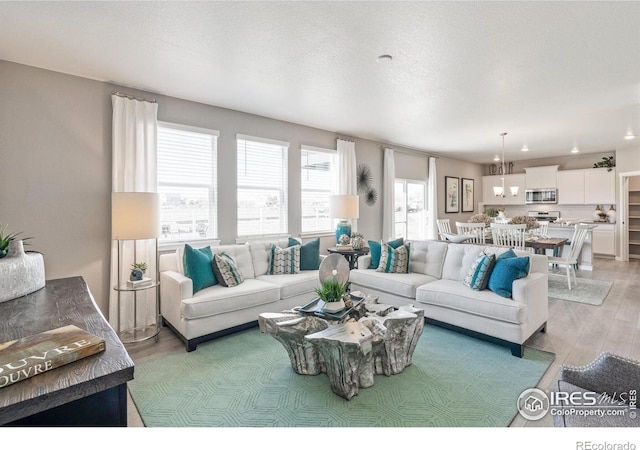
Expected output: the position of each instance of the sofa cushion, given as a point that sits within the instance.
(478, 276)
(240, 254)
(401, 284)
(394, 260)
(284, 261)
(427, 257)
(459, 259)
(259, 251)
(292, 285)
(375, 249)
(197, 266)
(507, 269)
(454, 295)
(309, 253)
(226, 270)
(217, 299)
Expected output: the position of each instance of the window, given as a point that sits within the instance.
(410, 212)
(187, 182)
(262, 186)
(316, 183)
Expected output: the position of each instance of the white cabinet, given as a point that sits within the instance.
(541, 177)
(488, 182)
(570, 187)
(604, 240)
(586, 187)
(600, 187)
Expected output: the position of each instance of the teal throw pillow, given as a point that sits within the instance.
(394, 260)
(197, 266)
(309, 253)
(480, 272)
(506, 270)
(375, 250)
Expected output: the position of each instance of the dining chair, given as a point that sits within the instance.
(474, 229)
(571, 260)
(543, 230)
(444, 226)
(509, 235)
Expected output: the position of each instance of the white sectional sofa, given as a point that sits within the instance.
(218, 310)
(435, 284)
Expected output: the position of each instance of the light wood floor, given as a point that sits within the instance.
(576, 333)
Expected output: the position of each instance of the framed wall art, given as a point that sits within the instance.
(452, 198)
(467, 195)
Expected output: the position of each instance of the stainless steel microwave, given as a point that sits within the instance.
(535, 196)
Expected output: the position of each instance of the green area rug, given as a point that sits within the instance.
(590, 292)
(246, 380)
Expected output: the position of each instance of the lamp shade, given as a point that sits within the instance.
(344, 206)
(135, 215)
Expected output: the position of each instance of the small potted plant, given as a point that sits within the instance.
(6, 239)
(331, 292)
(137, 271)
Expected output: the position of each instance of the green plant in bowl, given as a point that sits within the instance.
(5, 240)
(331, 291)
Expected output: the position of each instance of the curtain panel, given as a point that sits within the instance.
(134, 169)
(432, 200)
(388, 196)
(347, 168)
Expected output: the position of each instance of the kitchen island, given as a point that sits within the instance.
(585, 259)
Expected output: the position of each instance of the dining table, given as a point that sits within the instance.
(540, 245)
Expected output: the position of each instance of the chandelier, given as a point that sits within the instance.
(499, 190)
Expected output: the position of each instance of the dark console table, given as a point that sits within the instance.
(89, 392)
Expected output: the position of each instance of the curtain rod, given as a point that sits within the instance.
(132, 97)
(413, 152)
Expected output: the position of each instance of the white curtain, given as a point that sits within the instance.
(432, 200)
(134, 169)
(347, 182)
(388, 196)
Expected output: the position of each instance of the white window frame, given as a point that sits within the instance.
(405, 182)
(171, 244)
(283, 194)
(331, 189)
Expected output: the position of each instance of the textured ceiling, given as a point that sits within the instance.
(554, 75)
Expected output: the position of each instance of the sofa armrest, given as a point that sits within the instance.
(533, 286)
(175, 287)
(364, 262)
(608, 373)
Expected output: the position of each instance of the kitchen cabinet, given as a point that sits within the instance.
(541, 177)
(604, 239)
(599, 187)
(488, 182)
(570, 187)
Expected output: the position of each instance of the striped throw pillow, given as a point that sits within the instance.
(284, 261)
(226, 270)
(394, 260)
(478, 276)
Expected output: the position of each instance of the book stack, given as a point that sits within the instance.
(139, 283)
(344, 247)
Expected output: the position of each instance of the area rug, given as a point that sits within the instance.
(246, 380)
(590, 292)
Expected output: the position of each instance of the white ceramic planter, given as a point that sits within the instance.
(20, 273)
(333, 307)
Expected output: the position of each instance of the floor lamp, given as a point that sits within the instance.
(136, 216)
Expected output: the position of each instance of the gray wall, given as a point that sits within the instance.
(55, 154)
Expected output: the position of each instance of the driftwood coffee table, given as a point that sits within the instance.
(371, 339)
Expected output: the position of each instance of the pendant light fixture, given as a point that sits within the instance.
(499, 190)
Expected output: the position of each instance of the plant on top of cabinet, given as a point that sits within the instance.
(607, 161)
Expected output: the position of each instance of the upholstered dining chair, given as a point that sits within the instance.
(509, 235)
(570, 261)
(444, 227)
(474, 229)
